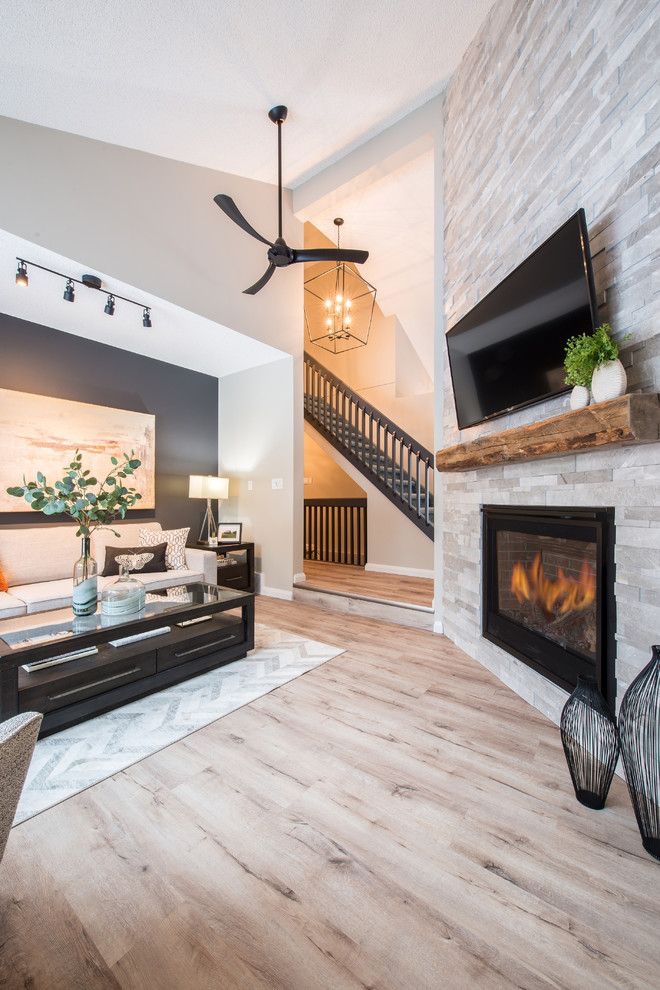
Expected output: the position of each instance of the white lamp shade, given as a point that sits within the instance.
(206, 486)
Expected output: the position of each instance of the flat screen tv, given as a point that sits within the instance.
(508, 352)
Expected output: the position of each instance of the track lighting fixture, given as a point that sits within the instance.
(89, 281)
(21, 274)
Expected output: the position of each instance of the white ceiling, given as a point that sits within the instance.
(193, 81)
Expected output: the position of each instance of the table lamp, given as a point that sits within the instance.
(208, 487)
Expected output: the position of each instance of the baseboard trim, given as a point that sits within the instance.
(402, 571)
(286, 596)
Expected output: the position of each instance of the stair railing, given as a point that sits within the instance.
(336, 530)
(388, 456)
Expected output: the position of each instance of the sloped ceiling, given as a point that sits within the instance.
(194, 81)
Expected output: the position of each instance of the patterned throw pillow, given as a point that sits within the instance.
(138, 559)
(3, 582)
(175, 556)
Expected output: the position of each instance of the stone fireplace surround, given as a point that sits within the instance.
(544, 115)
(627, 478)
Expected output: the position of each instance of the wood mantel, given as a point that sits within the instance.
(631, 419)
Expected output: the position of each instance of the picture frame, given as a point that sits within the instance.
(231, 532)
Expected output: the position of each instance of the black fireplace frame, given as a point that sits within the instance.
(557, 663)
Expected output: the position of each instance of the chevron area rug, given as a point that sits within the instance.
(70, 761)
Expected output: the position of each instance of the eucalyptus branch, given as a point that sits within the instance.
(72, 495)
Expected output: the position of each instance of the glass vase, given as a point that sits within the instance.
(639, 730)
(591, 742)
(125, 596)
(85, 583)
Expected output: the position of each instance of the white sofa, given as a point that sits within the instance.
(38, 564)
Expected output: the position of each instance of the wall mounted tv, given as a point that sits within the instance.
(508, 352)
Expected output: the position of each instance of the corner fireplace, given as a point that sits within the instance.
(548, 590)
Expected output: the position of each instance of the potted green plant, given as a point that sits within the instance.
(592, 361)
(93, 505)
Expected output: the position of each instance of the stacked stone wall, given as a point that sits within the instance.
(556, 106)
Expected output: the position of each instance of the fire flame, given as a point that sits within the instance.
(531, 585)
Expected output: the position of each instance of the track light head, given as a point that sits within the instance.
(110, 305)
(69, 294)
(21, 274)
(146, 317)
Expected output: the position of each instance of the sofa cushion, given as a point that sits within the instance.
(44, 595)
(48, 551)
(10, 606)
(38, 553)
(129, 536)
(144, 560)
(176, 545)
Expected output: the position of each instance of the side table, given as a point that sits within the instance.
(235, 565)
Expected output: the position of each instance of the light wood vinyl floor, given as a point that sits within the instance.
(396, 820)
(353, 580)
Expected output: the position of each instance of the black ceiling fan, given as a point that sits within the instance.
(279, 253)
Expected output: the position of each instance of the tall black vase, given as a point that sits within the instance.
(591, 742)
(639, 730)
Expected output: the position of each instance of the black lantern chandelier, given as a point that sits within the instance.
(339, 307)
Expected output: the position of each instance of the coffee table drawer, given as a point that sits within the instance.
(219, 633)
(81, 679)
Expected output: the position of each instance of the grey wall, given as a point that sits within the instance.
(555, 106)
(49, 362)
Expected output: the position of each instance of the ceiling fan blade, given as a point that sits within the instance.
(331, 254)
(252, 291)
(228, 206)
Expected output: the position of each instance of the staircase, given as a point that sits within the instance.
(384, 453)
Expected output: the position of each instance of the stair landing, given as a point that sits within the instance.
(405, 600)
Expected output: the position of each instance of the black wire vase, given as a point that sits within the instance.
(639, 731)
(591, 742)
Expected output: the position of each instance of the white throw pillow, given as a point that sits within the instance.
(175, 555)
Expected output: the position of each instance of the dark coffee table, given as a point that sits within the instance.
(181, 632)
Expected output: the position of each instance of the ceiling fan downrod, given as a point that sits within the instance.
(279, 254)
(278, 116)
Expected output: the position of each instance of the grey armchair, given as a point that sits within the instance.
(18, 736)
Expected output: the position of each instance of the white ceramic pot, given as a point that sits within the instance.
(609, 381)
(580, 397)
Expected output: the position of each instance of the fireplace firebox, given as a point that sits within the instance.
(548, 590)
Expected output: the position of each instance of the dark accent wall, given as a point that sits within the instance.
(38, 359)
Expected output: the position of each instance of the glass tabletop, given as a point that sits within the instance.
(61, 624)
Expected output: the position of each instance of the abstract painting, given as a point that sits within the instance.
(41, 433)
